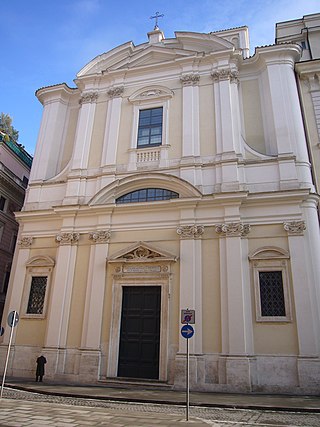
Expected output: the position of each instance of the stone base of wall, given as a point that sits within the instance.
(245, 374)
(208, 372)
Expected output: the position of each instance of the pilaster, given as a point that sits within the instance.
(111, 134)
(191, 281)
(228, 131)
(58, 316)
(236, 306)
(305, 307)
(84, 130)
(93, 311)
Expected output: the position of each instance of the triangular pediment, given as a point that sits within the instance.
(142, 252)
(127, 55)
(151, 55)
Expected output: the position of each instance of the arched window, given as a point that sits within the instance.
(147, 195)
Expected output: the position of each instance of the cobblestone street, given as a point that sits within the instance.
(21, 408)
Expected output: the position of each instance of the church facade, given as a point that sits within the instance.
(174, 176)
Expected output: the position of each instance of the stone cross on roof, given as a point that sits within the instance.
(156, 17)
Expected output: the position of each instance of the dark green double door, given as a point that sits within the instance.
(140, 332)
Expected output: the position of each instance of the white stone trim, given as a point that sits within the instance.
(37, 266)
(271, 259)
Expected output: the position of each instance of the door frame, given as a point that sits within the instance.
(114, 342)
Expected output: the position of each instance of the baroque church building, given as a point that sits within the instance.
(174, 176)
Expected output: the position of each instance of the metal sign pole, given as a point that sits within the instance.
(188, 394)
(8, 352)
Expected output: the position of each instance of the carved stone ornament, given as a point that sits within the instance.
(233, 229)
(294, 227)
(67, 238)
(100, 236)
(155, 93)
(190, 231)
(190, 79)
(115, 92)
(25, 242)
(225, 74)
(88, 97)
(141, 253)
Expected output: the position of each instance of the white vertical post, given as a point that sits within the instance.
(8, 352)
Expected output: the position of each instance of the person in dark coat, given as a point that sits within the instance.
(41, 361)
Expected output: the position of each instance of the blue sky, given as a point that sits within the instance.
(48, 42)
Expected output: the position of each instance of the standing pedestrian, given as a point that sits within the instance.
(41, 361)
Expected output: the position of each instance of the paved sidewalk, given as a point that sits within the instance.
(167, 396)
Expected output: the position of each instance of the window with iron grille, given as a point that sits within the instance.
(271, 282)
(147, 195)
(37, 295)
(271, 293)
(150, 127)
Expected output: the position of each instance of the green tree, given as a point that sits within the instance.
(7, 128)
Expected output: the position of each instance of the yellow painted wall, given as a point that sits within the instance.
(254, 133)
(211, 298)
(207, 121)
(99, 127)
(78, 296)
(70, 137)
(272, 337)
(31, 332)
(125, 131)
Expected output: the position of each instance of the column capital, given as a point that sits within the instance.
(295, 227)
(115, 91)
(67, 238)
(237, 229)
(190, 231)
(88, 97)
(190, 79)
(225, 74)
(25, 242)
(100, 236)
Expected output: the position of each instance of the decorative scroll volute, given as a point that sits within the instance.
(88, 97)
(295, 227)
(190, 231)
(225, 74)
(25, 242)
(67, 238)
(115, 92)
(190, 79)
(233, 229)
(100, 236)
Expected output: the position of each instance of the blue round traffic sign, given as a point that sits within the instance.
(187, 331)
(13, 315)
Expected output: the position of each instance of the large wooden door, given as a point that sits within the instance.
(140, 332)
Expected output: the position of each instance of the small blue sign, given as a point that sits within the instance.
(13, 315)
(187, 331)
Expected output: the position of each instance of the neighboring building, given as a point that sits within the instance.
(174, 176)
(306, 32)
(15, 165)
